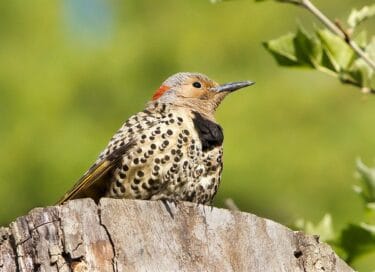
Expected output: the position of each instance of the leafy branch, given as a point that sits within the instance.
(355, 239)
(336, 28)
(333, 50)
(352, 64)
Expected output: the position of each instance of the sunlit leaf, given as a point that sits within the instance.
(340, 54)
(368, 227)
(283, 50)
(361, 72)
(324, 228)
(368, 179)
(358, 16)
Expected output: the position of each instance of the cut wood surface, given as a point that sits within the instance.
(132, 235)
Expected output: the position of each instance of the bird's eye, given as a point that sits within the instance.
(197, 84)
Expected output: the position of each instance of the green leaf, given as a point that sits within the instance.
(339, 53)
(357, 240)
(283, 50)
(367, 190)
(326, 62)
(298, 49)
(308, 49)
(360, 72)
(368, 227)
(358, 16)
(324, 228)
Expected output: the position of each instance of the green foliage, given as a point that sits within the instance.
(329, 53)
(284, 51)
(324, 227)
(358, 16)
(340, 55)
(325, 52)
(367, 176)
(355, 239)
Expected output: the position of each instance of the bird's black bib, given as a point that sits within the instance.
(210, 133)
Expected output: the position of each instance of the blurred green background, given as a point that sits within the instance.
(72, 71)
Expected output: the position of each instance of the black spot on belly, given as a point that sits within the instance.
(210, 133)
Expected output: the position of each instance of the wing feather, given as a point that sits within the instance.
(92, 181)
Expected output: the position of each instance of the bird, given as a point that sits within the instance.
(170, 151)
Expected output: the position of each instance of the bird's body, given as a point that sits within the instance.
(167, 160)
(170, 151)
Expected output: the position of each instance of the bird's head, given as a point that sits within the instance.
(195, 91)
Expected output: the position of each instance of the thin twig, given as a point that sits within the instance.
(346, 33)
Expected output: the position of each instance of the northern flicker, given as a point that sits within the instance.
(172, 150)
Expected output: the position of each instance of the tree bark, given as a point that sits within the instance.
(132, 235)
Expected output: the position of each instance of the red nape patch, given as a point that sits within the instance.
(159, 92)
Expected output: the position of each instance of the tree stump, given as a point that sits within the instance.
(134, 235)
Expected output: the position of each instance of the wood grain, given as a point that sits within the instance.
(131, 235)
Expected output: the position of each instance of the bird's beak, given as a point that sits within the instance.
(233, 86)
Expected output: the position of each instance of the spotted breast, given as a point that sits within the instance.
(177, 156)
